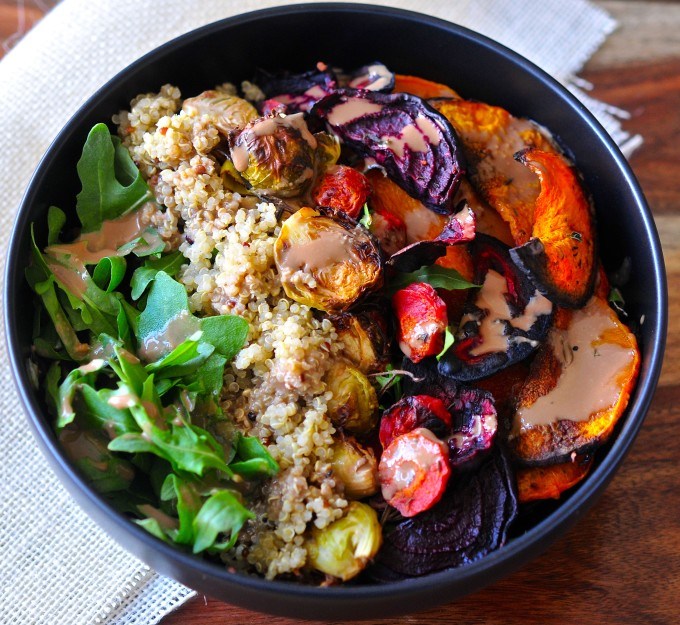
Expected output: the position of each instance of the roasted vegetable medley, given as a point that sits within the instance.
(340, 325)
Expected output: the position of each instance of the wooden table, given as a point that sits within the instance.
(621, 563)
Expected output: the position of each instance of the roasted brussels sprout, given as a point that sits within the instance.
(326, 262)
(354, 404)
(227, 111)
(275, 154)
(364, 339)
(345, 547)
(356, 467)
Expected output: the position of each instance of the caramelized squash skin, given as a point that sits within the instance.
(491, 136)
(537, 443)
(421, 87)
(536, 483)
(560, 257)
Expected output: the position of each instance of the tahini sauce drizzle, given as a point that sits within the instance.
(492, 298)
(587, 383)
(330, 247)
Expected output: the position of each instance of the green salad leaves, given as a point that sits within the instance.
(132, 377)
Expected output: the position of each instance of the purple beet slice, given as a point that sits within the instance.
(470, 521)
(474, 423)
(503, 322)
(416, 145)
(298, 92)
(374, 77)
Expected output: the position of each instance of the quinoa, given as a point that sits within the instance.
(274, 388)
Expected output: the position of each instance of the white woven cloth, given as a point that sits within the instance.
(56, 566)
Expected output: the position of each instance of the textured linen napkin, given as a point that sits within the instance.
(56, 566)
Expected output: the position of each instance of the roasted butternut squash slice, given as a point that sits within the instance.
(535, 483)
(491, 136)
(488, 220)
(421, 87)
(560, 257)
(578, 386)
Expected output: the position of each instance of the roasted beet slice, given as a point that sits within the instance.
(460, 228)
(560, 256)
(415, 144)
(298, 92)
(503, 322)
(470, 521)
(411, 412)
(421, 320)
(373, 77)
(474, 425)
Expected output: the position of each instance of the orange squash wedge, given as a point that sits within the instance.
(421, 87)
(560, 256)
(536, 483)
(491, 136)
(578, 387)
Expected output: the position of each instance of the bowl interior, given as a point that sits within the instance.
(295, 38)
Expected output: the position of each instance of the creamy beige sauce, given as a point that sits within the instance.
(176, 331)
(429, 129)
(82, 445)
(420, 335)
(91, 247)
(92, 366)
(331, 247)
(587, 383)
(240, 158)
(410, 138)
(74, 279)
(412, 460)
(384, 77)
(122, 400)
(420, 224)
(352, 109)
(492, 299)
(461, 438)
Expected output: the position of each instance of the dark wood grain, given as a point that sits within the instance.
(620, 564)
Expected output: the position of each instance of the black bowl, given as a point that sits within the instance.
(295, 38)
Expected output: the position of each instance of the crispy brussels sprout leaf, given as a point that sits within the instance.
(326, 262)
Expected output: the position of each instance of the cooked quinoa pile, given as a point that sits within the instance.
(275, 386)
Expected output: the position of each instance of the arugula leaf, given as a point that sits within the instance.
(154, 528)
(147, 244)
(56, 218)
(184, 359)
(167, 301)
(95, 412)
(68, 388)
(52, 387)
(227, 333)
(188, 504)
(109, 272)
(144, 275)
(366, 219)
(253, 459)
(111, 183)
(436, 276)
(222, 513)
(448, 341)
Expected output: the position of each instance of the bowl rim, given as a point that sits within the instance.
(478, 573)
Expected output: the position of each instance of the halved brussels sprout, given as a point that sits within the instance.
(364, 339)
(326, 262)
(275, 154)
(354, 404)
(227, 111)
(356, 467)
(345, 547)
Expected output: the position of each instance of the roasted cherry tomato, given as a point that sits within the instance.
(422, 320)
(342, 188)
(414, 471)
(411, 412)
